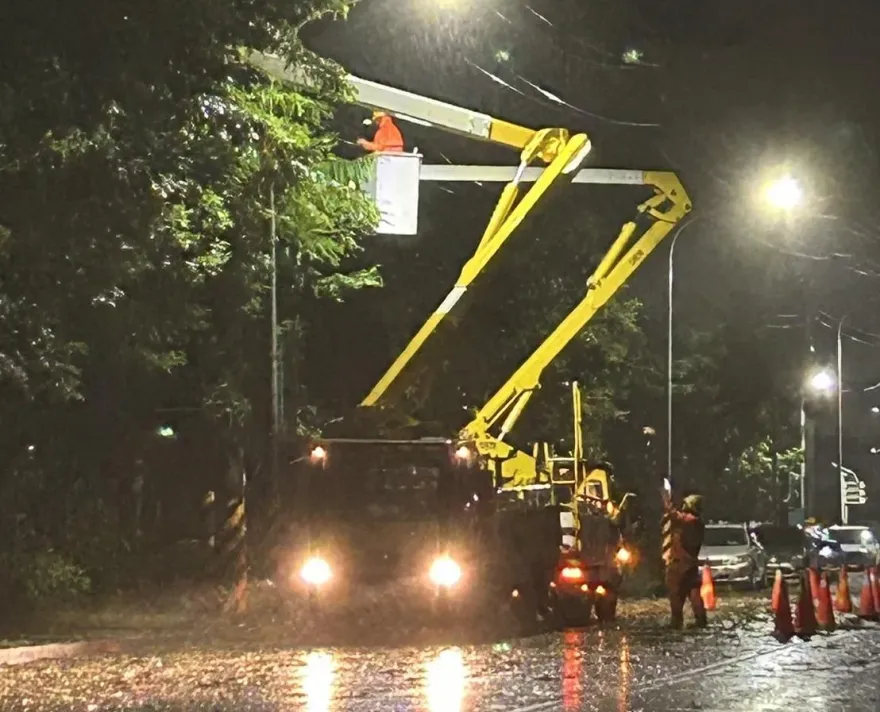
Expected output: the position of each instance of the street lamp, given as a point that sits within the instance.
(784, 193)
(822, 382)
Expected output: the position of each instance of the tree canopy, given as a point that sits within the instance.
(142, 165)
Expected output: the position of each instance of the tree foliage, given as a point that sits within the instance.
(141, 164)
(753, 487)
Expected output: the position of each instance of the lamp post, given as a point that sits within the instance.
(785, 194)
(821, 382)
(669, 351)
(840, 394)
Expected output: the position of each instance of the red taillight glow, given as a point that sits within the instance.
(572, 573)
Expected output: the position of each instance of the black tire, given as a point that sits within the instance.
(572, 612)
(606, 608)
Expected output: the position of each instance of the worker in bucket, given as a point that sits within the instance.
(388, 137)
(683, 571)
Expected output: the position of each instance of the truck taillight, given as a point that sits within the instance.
(572, 573)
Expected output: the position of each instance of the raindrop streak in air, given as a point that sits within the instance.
(445, 681)
(318, 681)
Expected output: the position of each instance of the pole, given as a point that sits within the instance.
(803, 455)
(669, 360)
(805, 465)
(843, 514)
(274, 387)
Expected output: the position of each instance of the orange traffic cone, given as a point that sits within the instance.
(707, 589)
(824, 611)
(783, 627)
(778, 589)
(814, 588)
(866, 600)
(876, 579)
(843, 599)
(805, 614)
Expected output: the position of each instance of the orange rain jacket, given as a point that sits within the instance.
(387, 138)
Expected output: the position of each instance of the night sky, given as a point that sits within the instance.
(723, 93)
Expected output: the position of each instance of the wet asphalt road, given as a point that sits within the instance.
(730, 667)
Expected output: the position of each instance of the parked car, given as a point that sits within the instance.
(789, 549)
(734, 554)
(859, 544)
(785, 549)
(823, 552)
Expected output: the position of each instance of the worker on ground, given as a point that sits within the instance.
(388, 136)
(682, 571)
(819, 543)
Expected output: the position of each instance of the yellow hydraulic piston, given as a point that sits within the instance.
(663, 211)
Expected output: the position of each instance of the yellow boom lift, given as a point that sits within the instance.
(562, 153)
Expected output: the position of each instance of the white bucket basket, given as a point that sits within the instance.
(395, 188)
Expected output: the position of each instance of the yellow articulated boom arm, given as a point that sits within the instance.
(656, 217)
(562, 152)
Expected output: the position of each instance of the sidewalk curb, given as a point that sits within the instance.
(54, 651)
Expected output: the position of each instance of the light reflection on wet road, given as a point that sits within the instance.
(733, 666)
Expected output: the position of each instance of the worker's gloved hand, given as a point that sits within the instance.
(362, 142)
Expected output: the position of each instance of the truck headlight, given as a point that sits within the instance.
(444, 572)
(315, 571)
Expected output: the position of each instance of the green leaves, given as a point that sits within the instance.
(138, 154)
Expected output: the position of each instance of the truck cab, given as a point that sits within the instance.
(416, 519)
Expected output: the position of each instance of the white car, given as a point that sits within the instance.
(734, 555)
(859, 544)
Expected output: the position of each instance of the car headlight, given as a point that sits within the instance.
(315, 571)
(444, 572)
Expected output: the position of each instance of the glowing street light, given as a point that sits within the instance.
(822, 381)
(784, 193)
